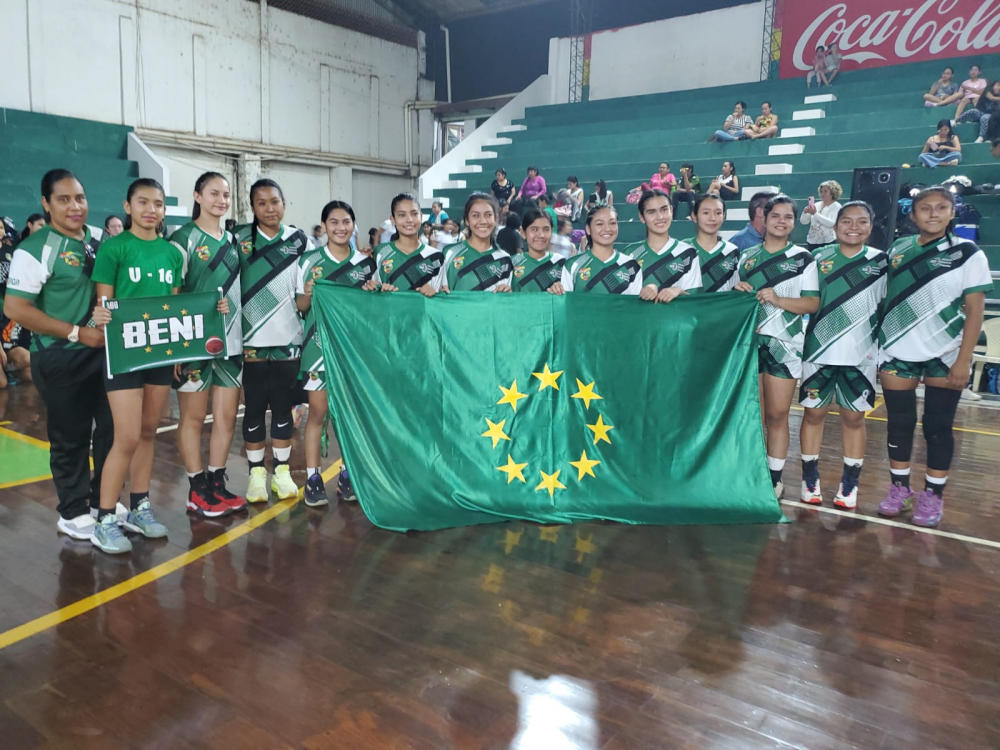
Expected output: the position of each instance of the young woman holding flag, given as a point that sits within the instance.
(670, 267)
(537, 269)
(477, 265)
(602, 269)
(407, 263)
(716, 257)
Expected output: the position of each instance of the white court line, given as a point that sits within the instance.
(896, 524)
(208, 420)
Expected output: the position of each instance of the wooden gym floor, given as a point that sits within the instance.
(302, 628)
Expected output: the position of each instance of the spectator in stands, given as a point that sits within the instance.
(734, 128)
(687, 189)
(601, 196)
(972, 88)
(833, 59)
(533, 185)
(319, 236)
(942, 148)
(427, 230)
(753, 233)
(113, 226)
(944, 91)
(561, 244)
(818, 71)
(388, 229)
(984, 110)
(373, 236)
(33, 224)
(663, 180)
(509, 236)
(544, 203)
(447, 235)
(438, 215)
(502, 188)
(822, 218)
(766, 124)
(727, 184)
(575, 195)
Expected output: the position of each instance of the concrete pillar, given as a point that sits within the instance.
(248, 171)
(342, 184)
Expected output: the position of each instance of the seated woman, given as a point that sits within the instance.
(502, 188)
(944, 90)
(942, 148)
(833, 59)
(766, 125)
(734, 128)
(727, 184)
(984, 111)
(688, 189)
(972, 88)
(601, 196)
(818, 72)
(663, 180)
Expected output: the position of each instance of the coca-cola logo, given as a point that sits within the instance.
(933, 28)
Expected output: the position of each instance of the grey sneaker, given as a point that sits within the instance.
(315, 492)
(109, 538)
(142, 521)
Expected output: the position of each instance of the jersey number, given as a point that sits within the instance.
(166, 276)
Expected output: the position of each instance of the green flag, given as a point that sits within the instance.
(154, 331)
(475, 408)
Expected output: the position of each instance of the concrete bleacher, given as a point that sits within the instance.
(874, 118)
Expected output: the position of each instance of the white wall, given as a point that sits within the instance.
(671, 55)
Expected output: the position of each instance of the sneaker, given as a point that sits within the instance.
(222, 495)
(142, 521)
(980, 139)
(930, 104)
(257, 489)
(315, 494)
(121, 513)
(811, 492)
(282, 483)
(80, 527)
(898, 500)
(201, 501)
(847, 493)
(344, 487)
(970, 395)
(929, 509)
(109, 538)
(779, 490)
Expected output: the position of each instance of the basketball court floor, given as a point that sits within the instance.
(310, 628)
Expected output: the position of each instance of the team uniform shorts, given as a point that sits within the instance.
(853, 387)
(939, 367)
(778, 358)
(201, 375)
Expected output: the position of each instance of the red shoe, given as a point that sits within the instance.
(201, 502)
(222, 495)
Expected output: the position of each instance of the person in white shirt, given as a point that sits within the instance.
(822, 217)
(447, 236)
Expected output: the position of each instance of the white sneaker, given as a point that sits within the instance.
(969, 395)
(848, 501)
(121, 513)
(811, 495)
(779, 490)
(978, 140)
(81, 527)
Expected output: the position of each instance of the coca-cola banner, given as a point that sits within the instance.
(874, 33)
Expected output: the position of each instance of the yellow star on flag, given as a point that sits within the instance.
(166, 307)
(149, 349)
(187, 344)
(601, 430)
(512, 470)
(550, 482)
(184, 312)
(145, 316)
(511, 395)
(496, 432)
(548, 378)
(586, 392)
(585, 466)
(169, 352)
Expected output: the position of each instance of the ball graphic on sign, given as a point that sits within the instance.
(215, 346)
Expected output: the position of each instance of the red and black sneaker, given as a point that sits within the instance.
(222, 495)
(201, 501)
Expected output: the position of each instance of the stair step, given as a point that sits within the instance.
(820, 99)
(453, 185)
(738, 214)
(809, 114)
(727, 234)
(797, 132)
(749, 192)
(773, 169)
(784, 149)
(512, 128)
(468, 169)
(497, 141)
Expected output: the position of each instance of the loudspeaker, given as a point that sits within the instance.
(879, 187)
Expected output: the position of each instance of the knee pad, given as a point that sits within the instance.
(939, 418)
(282, 425)
(253, 428)
(901, 411)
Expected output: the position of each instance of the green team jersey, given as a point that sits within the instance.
(676, 265)
(211, 264)
(466, 269)
(53, 271)
(139, 268)
(843, 330)
(408, 271)
(791, 272)
(923, 313)
(268, 273)
(718, 265)
(619, 274)
(320, 265)
(537, 274)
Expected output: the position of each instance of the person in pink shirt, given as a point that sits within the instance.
(533, 185)
(663, 180)
(971, 90)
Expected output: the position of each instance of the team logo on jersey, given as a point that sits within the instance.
(202, 252)
(812, 393)
(387, 265)
(314, 376)
(70, 257)
(250, 353)
(426, 267)
(494, 269)
(750, 263)
(246, 246)
(459, 262)
(358, 274)
(585, 274)
(940, 262)
(872, 270)
(316, 272)
(624, 274)
(677, 266)
(791, 265)
(194, 376)
(897, 259)
(826, 266)
(519, 271)
(730, 263)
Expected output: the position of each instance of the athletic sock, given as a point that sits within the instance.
(936, 485)
(215, 469)
(900, 477)
(255, 458)
(135, 498)
(192, 475)
(776, 466)
(101, 513)
(281, 455)
(810, 469)
(311, 470)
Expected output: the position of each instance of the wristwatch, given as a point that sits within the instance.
(74, 335)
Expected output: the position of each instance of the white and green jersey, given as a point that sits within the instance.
(718, 265)
(537, 274)
(268, 274)
(923, 312)
(791, 272)
(321, 267)
(466, 269)
(844, 329)
(620, 274)
(408, 272)
(676, 265)
(210, 264)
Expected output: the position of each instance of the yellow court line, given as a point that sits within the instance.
(163, 569)
(24, 438)
(5, 423)
(29, 480)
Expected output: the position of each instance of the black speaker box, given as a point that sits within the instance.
(879, 187)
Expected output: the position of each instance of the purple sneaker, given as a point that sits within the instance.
(929, 510)
(898, 500)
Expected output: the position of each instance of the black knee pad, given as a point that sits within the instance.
(254, 430)
(939, 419)
(282, 426)
(901, 411)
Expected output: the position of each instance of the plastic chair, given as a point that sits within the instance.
(991, 327)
